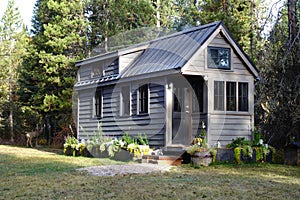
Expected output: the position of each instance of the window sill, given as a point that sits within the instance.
(231, 112)
(143, 114)
(124, 116)
(220, 69)
(96, 118)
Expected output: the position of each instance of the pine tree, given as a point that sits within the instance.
(49, 72)
(109, 17)
(13, 40)
(125, 22)
(239, 16)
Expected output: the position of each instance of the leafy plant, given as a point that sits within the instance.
(247, 151)
(70, 144)
(112, 149)
(259, 154)
(127, 139)
(195, 148)
(213, 152)
(238, 142)
(257, 136)
(237, 155)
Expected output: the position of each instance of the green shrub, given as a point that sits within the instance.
(238, 142)
(278, 156)
(237, 155)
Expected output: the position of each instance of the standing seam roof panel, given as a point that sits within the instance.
(170, 52)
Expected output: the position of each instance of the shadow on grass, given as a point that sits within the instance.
(29, 161)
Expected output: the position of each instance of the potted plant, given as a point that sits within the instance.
(70, 146)
(199, 151)
(201, 155)
(200, 138)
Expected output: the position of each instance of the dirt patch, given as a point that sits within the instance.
(113, 170)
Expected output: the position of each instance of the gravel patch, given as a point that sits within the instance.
(113, 170)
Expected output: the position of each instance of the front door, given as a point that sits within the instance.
(187, 101)
(181, 116)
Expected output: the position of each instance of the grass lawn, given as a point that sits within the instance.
(41, 174)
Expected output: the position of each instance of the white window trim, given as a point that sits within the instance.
(121, 101)
(217, 68)
(237, 97)
(94, 105)
(138, 100)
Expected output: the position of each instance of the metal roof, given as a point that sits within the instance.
(170, 52)
(97, 81)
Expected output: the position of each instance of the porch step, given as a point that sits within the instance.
(179, 149)
(162, 160)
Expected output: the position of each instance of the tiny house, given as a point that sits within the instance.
(166, 88)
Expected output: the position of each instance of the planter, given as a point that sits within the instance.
(69, 151)
(123, 155)
(201, 158)
(96, 153)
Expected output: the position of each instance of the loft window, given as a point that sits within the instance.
(219, 95)
(125, 101)
(219, 58)
(231, 96)
(98, 103)
(143, 99)
(243, 96)
(97, 71)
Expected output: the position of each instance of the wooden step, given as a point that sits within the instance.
(162, 160)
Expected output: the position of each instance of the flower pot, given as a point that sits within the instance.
(68, 151)
(123, 155)
(201, 158)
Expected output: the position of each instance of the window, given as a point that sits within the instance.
(98, 103)
(197, 97)
(143, 99)
(219, 95)
(178, 99)
(125, 101)
(97, 71)
(219, 57)
(243, 96)
(231, 96)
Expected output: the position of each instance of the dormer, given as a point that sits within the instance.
(105, 68)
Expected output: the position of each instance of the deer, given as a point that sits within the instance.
(33, 135)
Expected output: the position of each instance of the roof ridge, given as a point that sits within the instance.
(193, 29)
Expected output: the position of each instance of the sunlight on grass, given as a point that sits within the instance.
(46, 174)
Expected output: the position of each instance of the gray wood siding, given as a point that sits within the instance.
(109, 67)
(197, 122)
(237, 66)
(87, 125)
(153, 125)
(224, 128)
(84, 73)
(112, 68)
(198, 63)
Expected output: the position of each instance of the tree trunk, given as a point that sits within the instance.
(292, 20)
(11, 119)
(157, 13)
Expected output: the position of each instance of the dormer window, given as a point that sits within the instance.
(105, 68)
(97, 71)
(219, 58)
